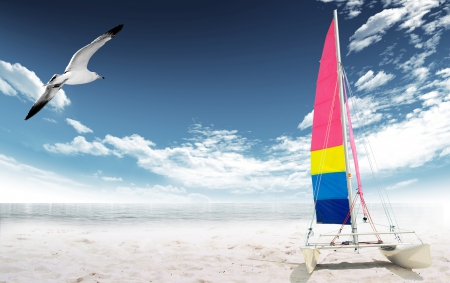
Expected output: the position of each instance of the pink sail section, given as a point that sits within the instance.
(327, 126)
(353, 147)
(328, 175)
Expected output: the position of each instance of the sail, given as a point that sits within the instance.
(328, 170)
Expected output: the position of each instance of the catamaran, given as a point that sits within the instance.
(331, 176)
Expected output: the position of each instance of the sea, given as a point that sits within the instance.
(121, 214)
(94, 214)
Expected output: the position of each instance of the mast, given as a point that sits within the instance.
(344, 127)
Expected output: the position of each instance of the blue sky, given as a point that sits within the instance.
(212, 100)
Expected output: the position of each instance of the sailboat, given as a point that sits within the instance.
(331, 176)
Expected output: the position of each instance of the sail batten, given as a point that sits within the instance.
(328, 165)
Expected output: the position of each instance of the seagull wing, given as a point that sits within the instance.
(50, 92)
(81, 58)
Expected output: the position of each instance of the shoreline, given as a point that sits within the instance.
(202, 251)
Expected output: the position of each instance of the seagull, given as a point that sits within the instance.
(76, 72)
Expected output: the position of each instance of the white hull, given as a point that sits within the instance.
(311, 256)
(411, 256)
(407, 255)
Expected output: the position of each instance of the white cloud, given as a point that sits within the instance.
(407, 144)
(50, 120)
(430, 98)
(22, 183)
(112, 179)
(352, 8)
(407, 97)
(439, 23)
(79, 145)
(12, 164)
(212, 162)
(169, 189)
(98, 173)
(402, 184)
(365, 78)
(421, 73)
(80, 128)
(212, 159)
(6, 88)
(16, 80)
(418, 60)
(407, 13)
(369, 82)
(445, 84)
(26, 183)
(445, 152)
(307, 121)
(388, 56)
(415, 40)
(413, 113)
(445, 73)
(223, 159)
(375, 27)
(289, 145)
(134, 145)
(160, 194)
(199, 198)
(363, 111)
(417, 9)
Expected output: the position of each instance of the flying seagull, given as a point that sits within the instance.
(76, 72)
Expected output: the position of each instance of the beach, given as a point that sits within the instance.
(231, 250)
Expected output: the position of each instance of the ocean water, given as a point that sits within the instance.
(86, 214)
(98, 214)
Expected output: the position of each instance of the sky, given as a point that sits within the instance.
(211, 101)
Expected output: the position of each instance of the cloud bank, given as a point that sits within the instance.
(212, 159)
(16, 80)
(80, 128)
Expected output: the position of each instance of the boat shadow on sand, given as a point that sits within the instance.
(300, 274)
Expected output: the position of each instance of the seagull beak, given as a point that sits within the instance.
(102, 77)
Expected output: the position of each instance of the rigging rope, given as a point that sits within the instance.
(346, 219)
(322, 162)
(370, 152)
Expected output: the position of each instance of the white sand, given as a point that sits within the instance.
(199, 252)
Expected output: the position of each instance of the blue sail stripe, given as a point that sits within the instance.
(332, 186)
(331, 197)
(332, 211)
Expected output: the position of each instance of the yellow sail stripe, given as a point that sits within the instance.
(328, 160)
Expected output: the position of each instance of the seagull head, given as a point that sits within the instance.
(98, 76)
